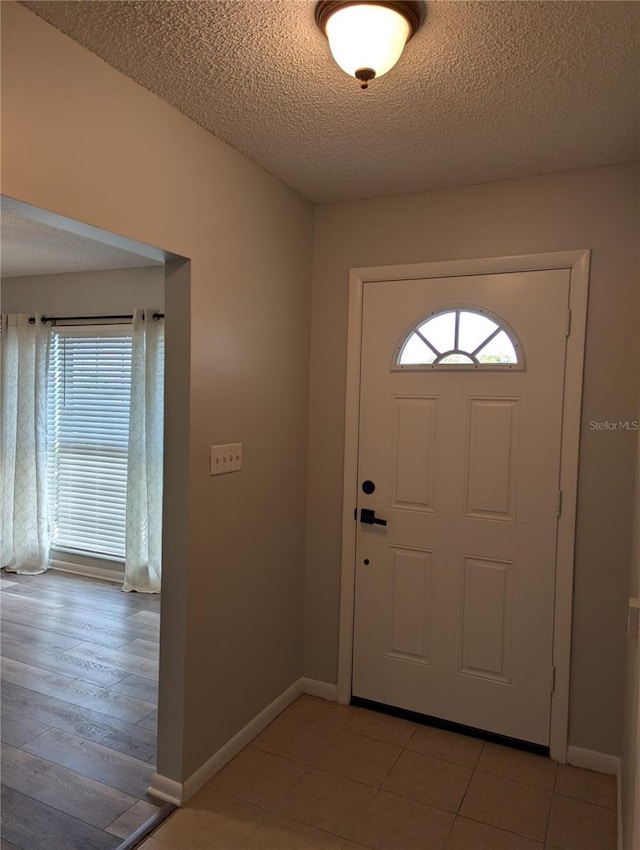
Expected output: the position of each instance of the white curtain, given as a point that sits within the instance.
(24, 520)
(142, 568)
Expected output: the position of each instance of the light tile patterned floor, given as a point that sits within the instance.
(329, 777)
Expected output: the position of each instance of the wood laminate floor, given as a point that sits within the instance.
(78, 708)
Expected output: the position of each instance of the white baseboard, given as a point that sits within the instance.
(602, 763)
(89, 572)
(593, 760)
(178, 793)
(316, 688)
(165, 789)
(240, 740)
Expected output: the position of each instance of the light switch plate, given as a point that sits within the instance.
(235, 457)
(225, 458)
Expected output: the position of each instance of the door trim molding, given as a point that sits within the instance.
(578, 264)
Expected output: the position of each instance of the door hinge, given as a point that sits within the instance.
(568, 322)
(559, 511)
(553, 678)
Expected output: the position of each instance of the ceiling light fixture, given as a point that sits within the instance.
(367, 37)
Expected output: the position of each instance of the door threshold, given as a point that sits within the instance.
(450, 726)
(147, 828)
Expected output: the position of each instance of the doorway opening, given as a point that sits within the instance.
(80, 659)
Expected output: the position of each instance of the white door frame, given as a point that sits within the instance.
(578, 263)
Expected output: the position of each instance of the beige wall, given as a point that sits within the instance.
(590, 209)
(84, 141)
(109, 292)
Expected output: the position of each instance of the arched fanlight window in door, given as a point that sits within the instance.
(460, 338)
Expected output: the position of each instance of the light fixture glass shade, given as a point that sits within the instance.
(367, 36)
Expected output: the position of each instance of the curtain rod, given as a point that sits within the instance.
(128, 316)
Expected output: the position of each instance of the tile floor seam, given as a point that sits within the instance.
(548, 826)
(445, 761)
(346, 778)
(395, 761)
(612, 811)
(297, 819)
(443, 758)
(466, 791)
(321, 752)
(546, 832)
(511, 779)
(453, 823)
(414, 800)
(422, 803)
(272, 753)
(319, 726)
(364, 814)
(505, 829)
(582, 800)
(371, 738)
(370, 784)
(306, 770)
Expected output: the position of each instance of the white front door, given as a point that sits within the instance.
(454, 596)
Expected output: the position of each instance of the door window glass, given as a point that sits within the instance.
(460, 337)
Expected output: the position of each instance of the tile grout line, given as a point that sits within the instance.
(278, 809)
(582, 800)
(511, 779)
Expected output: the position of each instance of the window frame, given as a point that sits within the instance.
(519, 366)
(111, 329)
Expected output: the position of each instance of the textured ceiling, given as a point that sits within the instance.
(484, 91)
(33, 248)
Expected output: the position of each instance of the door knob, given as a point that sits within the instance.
(369, 517)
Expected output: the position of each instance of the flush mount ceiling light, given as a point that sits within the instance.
(367, 37)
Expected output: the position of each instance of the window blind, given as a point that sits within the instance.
(88, 426)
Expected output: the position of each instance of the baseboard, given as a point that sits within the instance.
(165, 789)
(240, 740)
(593, 760)
(316, 688)
(177, 793)
(87, 571)
(602, 763)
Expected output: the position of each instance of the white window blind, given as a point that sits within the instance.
(88, 426)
